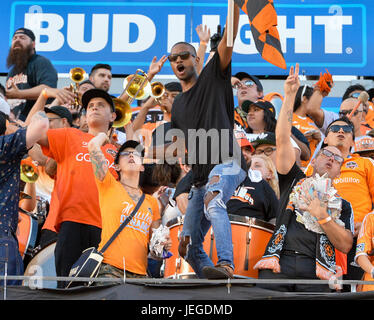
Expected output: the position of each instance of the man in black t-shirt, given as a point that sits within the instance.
(204, 115)
(30, 73)
(299, 248)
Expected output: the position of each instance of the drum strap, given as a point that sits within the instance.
(123, 224)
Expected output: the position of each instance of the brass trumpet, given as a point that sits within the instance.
(157, 89)
(76, 75)
(123, 113)
(29, 172)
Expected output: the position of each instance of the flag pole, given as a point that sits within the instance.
(230, 23)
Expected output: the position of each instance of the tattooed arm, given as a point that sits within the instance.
(285, 156)
(98, 160)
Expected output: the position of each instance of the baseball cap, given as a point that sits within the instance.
(173, 86)
(242, 140)
(264, 138)
(62, 112)
(25, 31)
(97, 93)
(130, 144)
(364, 144)
(263, 104)
(243, 75)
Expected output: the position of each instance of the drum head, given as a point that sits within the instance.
(43, 265)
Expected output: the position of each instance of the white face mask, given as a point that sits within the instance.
(4, 106)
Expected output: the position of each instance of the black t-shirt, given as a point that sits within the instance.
(39, 71)
(255, 200)
(206, 112)
(159, 134)
(298, 238)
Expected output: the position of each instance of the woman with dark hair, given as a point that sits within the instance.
(305, 124)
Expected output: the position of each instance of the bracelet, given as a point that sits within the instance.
(203, 43)
(44, 93)
(323, 221)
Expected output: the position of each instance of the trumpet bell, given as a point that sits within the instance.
(77, 74)
(123, 113)
(29, 172)
(158, 89)
(137, 86)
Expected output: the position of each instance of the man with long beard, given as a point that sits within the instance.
(29, 73)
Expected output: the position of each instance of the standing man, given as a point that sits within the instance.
(206, 105)
(78, 222)
(30, 73)
(13, 147)
(101, 76)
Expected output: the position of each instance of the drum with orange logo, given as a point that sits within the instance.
(250, 237)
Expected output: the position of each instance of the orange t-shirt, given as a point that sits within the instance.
(75, 183)
(50, 222)
(365, 245)
(132, 242)
(305, 124)
(355, 184)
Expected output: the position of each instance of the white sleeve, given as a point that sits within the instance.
(329, 117)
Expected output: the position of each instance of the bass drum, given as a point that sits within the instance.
(250, 237)
(43, 265)
(27, 232)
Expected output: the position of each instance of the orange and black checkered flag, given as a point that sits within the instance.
(263, 21)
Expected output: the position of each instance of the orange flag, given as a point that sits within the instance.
(263, 21)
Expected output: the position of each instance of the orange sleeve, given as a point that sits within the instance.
(155, 208)
(57, 140)
(370, 177)
(364, 242)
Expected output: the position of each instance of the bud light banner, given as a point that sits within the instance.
(318, 34)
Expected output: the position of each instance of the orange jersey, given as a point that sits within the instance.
(305, 124)
(76, 187)
(355, 184)
(369, 118)
(132, 243)
(365, 245)
(50, 221)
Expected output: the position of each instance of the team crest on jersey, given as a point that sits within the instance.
(112, 152)
(360, 248)
(351, 165)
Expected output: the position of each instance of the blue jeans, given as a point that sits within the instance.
(199, 219)
(10, 258)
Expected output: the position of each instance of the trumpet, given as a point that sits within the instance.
(29, 172)
(123, 113)
(76, 75)
(157, 89)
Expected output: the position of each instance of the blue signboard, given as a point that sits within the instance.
(128, 34)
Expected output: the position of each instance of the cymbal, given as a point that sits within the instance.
(23, 195)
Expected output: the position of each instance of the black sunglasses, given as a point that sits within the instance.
(330, 154)
(346, 112)
(336, 128)
(184, 56)
(268, 151)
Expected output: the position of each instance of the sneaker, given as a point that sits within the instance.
(218, 272)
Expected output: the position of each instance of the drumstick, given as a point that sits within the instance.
(230, 23)
(362, 98)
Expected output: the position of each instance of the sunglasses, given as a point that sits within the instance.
(355, 95)
(336, 128)
(184, 56)
(330, 154)
(127, 153)
(241, 84)
(346, 112)
(267, 151)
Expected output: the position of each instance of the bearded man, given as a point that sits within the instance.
(29, 73)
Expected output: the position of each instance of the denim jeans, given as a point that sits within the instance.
(10, 258)
(199, 219)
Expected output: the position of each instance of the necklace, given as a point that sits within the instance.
(130, 186)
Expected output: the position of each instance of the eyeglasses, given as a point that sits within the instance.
(184, 56)
(355, 95)
(336, 128)
(346, 112)
(330, 154)
(127, 153)
(267, 151)
(241, 84)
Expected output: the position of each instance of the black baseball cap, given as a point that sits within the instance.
(263, 104)
(97, 93)
(62, 112)
(130, 144)
(25, 31)
(243, 75)
(173, 86)
(264, 138)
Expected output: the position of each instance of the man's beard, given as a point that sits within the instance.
(19, 58)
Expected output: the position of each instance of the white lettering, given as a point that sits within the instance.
(301, 33)
(176, 29)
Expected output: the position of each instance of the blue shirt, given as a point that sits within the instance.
(12, 149)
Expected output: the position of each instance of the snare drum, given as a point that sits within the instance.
(27, 232)
(250, 237)
(42, 264)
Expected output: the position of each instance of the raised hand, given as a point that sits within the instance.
(156, 66)
(203, 33)
(292, 82)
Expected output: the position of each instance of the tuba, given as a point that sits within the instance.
(76, 75)
(29, 172)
